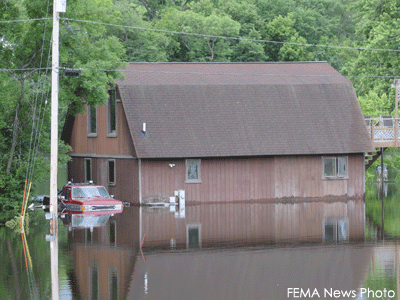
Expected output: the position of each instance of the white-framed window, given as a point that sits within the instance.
(112, 114)
(88, 169)
(193, 236)
(193, 170)
(334, 167)
(111, 172)
(91, 121)
(335, 230)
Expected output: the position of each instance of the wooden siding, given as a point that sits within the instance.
(252, 222)
(226, 180)
(102, 145)
(126, 187)
(302, 177)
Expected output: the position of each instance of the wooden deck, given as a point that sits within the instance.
(384, 132)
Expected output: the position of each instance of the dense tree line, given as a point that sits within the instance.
(337, 31)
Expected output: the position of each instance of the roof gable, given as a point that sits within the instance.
(225, 114)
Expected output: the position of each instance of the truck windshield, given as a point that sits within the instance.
(90, 192)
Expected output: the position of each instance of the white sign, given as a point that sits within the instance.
(61, 6)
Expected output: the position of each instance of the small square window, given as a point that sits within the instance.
(334, 167)
(193, 173)
(335, 230)
(193, 236)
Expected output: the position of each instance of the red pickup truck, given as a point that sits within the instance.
(86, 197)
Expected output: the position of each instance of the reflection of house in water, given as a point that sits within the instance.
(258, 223)
(235, 251)
(251, 250)
(103, 256)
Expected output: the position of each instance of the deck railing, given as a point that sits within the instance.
(384, 131)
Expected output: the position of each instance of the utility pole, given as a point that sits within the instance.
(58, 6)
(54, 122)
(396, 85)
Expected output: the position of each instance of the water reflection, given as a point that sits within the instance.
(247, 224)
(218, 251)
(102, 262)
(251, 250)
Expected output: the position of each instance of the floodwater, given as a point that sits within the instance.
(308, 250)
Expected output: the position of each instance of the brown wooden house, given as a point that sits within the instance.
(225, 132)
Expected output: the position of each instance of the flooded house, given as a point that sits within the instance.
(224, 132)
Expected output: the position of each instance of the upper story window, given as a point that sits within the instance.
(112, 114)
(193, 171)
(92, 121)
(334, 167)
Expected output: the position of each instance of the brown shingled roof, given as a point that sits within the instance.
(241, 109)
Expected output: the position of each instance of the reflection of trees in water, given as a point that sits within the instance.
(373, 207)
(25, 259)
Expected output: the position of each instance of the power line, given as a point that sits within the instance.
(26, 20)
(233, 38)
(211, 36)
(25, 69)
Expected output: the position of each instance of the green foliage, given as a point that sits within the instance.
(194, 48)
(374, 105)
(25, 116)
(281, 29)
(376, 28)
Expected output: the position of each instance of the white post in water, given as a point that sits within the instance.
(54, 122)
(58, 6)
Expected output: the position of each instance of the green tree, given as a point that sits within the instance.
(209, 46)
(289, 43)
(377, 27)
(141, 43)
(25, 53)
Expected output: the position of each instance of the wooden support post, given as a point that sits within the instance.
(397, 270)
(383, 196)
(395, 85)
(373, 132)
(396, 130)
